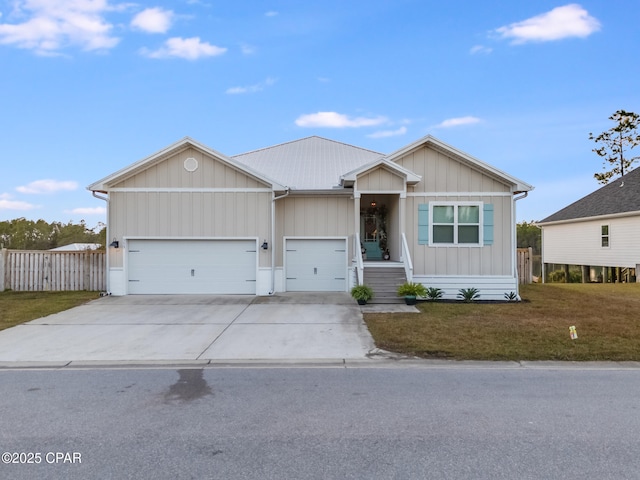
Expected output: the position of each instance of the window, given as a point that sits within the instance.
(604, 235)
(456, 224)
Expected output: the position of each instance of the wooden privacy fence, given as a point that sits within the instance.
(525, 265)
(38, 270)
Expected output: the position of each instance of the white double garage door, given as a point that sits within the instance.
(189, 266)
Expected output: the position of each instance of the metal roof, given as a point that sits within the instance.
(312, 163)
(620, 196)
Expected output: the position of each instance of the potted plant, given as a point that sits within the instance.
(411, 291)
(362, 293)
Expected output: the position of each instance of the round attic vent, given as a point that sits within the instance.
(191, 164)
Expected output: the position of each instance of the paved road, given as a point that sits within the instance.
(418, 422)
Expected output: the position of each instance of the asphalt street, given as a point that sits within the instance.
(415, 422)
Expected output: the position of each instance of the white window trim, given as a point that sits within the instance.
(608, 235)
(455, 224)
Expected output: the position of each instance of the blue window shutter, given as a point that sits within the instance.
(488, 224)
(423, 224)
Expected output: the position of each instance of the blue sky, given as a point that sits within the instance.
(90, 86)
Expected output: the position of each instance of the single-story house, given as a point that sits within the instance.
(309, 215)
(599, 232)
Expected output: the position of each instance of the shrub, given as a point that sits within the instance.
(468, 294)
(434, 293)
(362, 293)
(410, 289)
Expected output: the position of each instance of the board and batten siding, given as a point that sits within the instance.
(494, 259)
(580, 243)
(167, 201)
(313, 216)
(441, 173)
(380, 180)
(446, 179)
(170, 173)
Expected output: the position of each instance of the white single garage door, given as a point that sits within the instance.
(192, 266)
(316, 265)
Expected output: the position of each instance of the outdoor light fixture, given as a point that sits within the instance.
(373, 204)
(114, 244)
(265, 245)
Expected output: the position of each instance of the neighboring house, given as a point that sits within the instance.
(600, 232)
(76, 247)
(297, 217)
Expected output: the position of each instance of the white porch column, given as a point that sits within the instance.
(356, 216)
(402, 211)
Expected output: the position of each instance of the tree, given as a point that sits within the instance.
(615, 142)
(23, 234)
(529, 235)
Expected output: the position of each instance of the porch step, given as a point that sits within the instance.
(384, 281)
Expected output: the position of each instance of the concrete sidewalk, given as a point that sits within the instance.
(178, 328)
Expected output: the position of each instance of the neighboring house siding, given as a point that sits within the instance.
(313, 216)
(380, 180)
(579, 243)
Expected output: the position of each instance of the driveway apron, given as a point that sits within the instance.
(203, 328)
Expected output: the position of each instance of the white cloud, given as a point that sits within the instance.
(480, 49)
(388, 133)
(88, 211)
(189, 48)
(51, 25)
(457, 122)
(251, 88)
(271, 14)
(47, 186)
(153, 20)
(562, 22)
(337, 120)
(7, 204)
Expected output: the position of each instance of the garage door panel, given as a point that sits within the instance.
(316, 265)
(192, 266)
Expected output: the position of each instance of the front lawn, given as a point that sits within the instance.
(20, 307)
(606, 317)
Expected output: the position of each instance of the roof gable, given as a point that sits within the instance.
(432, 142)
(349, 178)
(108, 182)
(617, 197)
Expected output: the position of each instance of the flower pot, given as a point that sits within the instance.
(410, 299)
(362, 302)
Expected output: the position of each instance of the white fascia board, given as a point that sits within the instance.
(103, 184)
(588, 219)
(409, 176)
(518, 185)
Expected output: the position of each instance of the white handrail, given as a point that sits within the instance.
(357, 249)
(406, 259)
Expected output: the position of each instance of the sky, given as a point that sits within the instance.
(88, 87)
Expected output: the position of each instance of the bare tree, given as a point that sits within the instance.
(615, 142)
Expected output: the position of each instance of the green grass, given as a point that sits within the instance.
(20, 307)
(606, 317)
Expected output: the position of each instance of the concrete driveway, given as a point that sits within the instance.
(165, 328)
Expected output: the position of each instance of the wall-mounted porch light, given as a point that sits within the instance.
(264, 245)
(114, 244)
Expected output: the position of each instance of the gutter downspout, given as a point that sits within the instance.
(514, 241)
(273, 237)
(106, 247)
